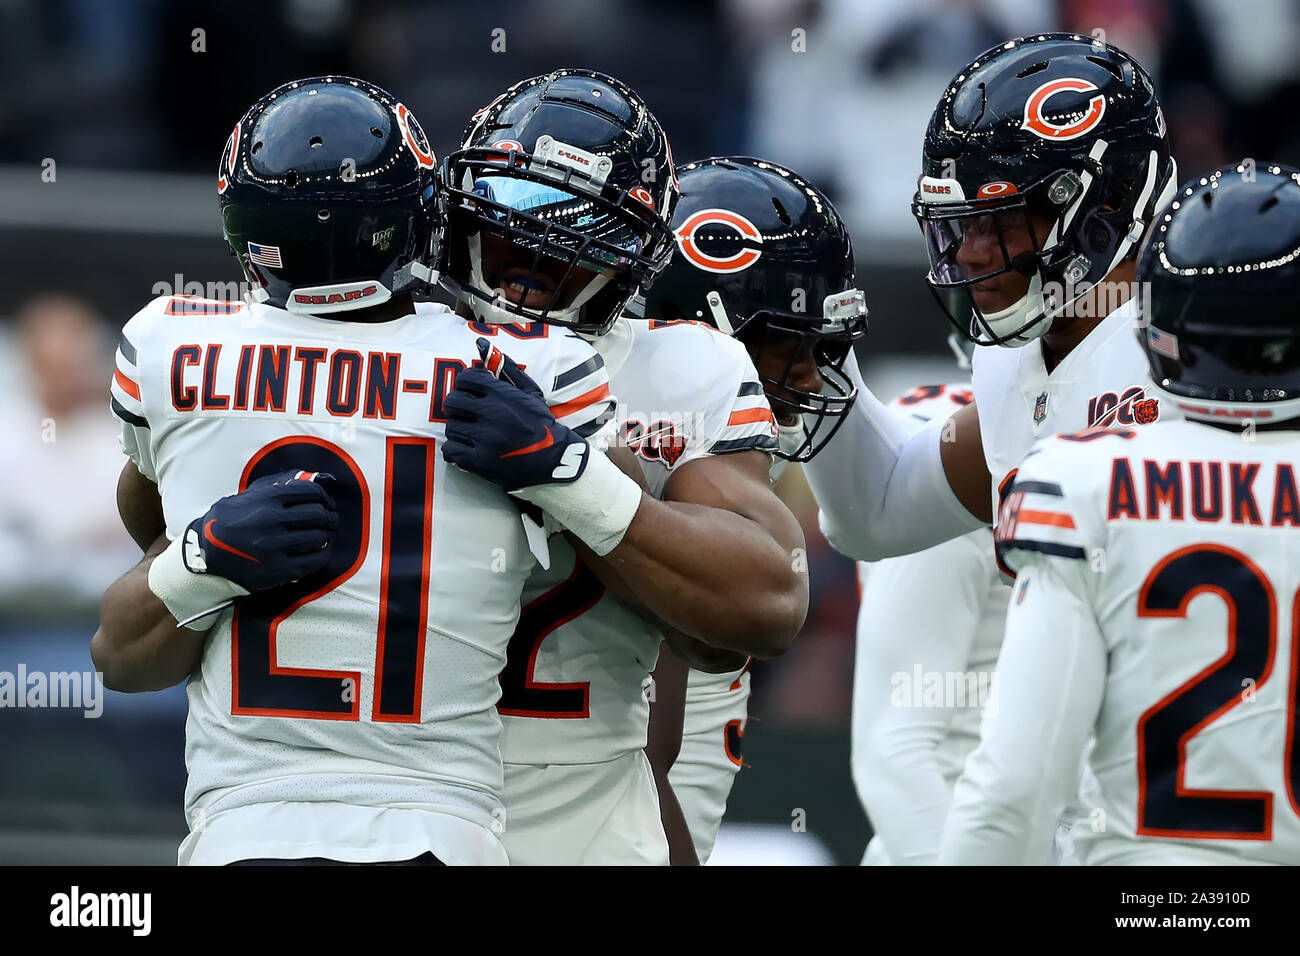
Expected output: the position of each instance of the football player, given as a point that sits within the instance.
(343, 709)
(763, 256)
(1043, 164)
(559, 205)
(1156, 599)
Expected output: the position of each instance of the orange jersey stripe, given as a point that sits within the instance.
(1053, 518)
(127, 385)
(748, 415)
(581, 402)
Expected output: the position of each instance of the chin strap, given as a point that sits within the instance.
(1018, 316)
(415, 271)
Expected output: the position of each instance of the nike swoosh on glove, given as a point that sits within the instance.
(499, 427)
(277, 530)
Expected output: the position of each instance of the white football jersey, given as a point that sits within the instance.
(574, 688)
(373, 683)
(713, 726)
(715, 714)
(1156, 605)
(923, 671)
(1105, 381)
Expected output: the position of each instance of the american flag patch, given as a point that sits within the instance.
(268, 256)
(1166, 343)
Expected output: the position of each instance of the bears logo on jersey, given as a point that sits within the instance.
(1130, 407)
(657, 441)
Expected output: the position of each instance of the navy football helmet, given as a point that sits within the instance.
(326, 188)
(558, 203)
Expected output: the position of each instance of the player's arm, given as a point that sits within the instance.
(140, 506)
(1050, 682)
(717, 560)
(964, 465)
(154, 618)
(701, 656)
(693, 653)
(714, 563)
(139, 645)
(921, 609)
(663, 744)
(1051, 672)
(885, 489)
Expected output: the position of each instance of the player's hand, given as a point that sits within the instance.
(277, 530)
(499, 427)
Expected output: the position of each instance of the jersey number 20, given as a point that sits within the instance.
(1166, 807)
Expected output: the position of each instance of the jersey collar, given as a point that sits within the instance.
(615, 345)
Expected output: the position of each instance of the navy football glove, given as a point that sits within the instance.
(277, 530)
(501, 429)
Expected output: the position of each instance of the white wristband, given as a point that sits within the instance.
(187, 595)
(598, 507)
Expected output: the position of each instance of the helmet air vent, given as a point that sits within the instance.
(1108, 66)
(1031, 70)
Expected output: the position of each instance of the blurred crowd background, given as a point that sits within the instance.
(113, 117)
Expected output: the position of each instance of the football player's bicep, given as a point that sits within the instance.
(962, 454)
(738, 483)
(140, 506)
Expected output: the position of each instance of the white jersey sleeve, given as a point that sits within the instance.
(880, 487)
(736, 417)
(125, 398)
(572, 377)
(1051, 671)
(1051, 678)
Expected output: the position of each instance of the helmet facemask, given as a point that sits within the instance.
(828, 340)
(1086, 226)
(529, 239)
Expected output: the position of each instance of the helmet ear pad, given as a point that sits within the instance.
(1096, 236)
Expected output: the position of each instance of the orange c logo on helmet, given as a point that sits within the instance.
(1039, 125)
(688, 243)
(999, 188)
(414, 137)
(228, 161)
(502, 149)
(642, 194)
